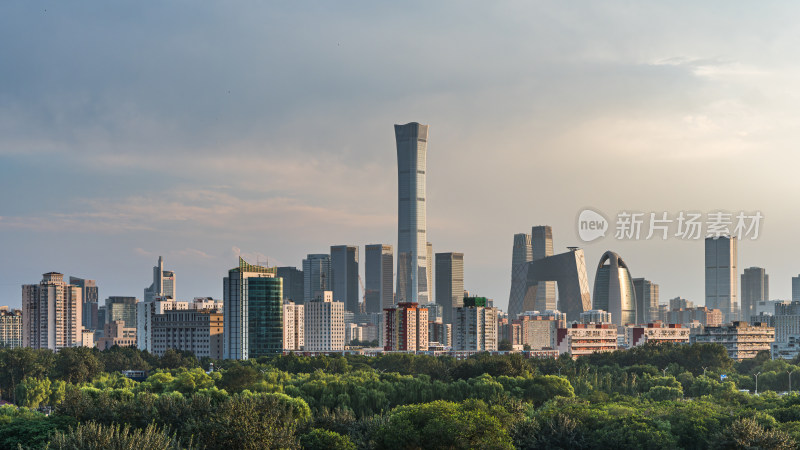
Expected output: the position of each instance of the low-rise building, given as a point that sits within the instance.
(706, 317)
(740, 339)
(656, 332)
(195, 331)
(116, 333)
(583, 339)
(595, 316)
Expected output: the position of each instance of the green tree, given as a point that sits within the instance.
(32, 392)
(239, 377)
(319, 439)
(91, 436)
(746, 433)
(77, 364)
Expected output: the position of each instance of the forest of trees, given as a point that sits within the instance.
(655, 396)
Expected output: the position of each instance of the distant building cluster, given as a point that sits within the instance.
(414, 300)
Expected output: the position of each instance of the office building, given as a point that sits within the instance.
(701, 315)
(449, 283)
(121, 308)
(787, 321)
(595, 316)
(722, 276)
(768, 306)
(535, 330)
(440, 332)
(253, 312)
(755, 288)
(680, 303)
(521, 255)
(583, 339)
(10, 327)
(116, 332)
(344, 271)
(293, 284)
(429, 264)
(89, 301)
(796, 289)
(379, 274)
(656, 332)
(542, 247)
(163, 283)
(613, 289)
(406, 327)
(412, 259)
(324, 324)
(646, 293)
(51, 313)
(146, 312)
(740, 339)
(475, 326)
(316, 275)
(293, 326)
(197, 331)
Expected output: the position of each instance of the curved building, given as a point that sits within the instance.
(613, 289)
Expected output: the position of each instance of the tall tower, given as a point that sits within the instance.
(163, 283)
(379, 272)
(542, 243)
(755, 288)
(521, 256)
(51, 313)
(412, 259)
(613, 289)
(344, 271)
(449, 283)
(722, 276)
(89, 301)
(316, 275)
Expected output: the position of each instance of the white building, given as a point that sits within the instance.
(324, 324)
(583, 339)
(10, 328)
(51, 313)
(146, 311)
(475, 326)
(656, 332)
(293, 326)
(595, 316)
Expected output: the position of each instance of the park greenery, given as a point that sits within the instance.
(654, 396)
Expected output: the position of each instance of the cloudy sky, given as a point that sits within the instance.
(199, 131)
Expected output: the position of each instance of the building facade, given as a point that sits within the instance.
(755, 289)
(646, 300)
(613, 289)
(475, 326)
(379, 274)
(145, 312)
(51, 313)
(293, 284)
(253, 312)
(197, 331)
(293, 326)
(344, 271)
(583, 339)
(89, 301)
(700, 315)
(324, 324)
(449, 283)
(163, 283)
(10, 327)
(316, 275)
(740, 339)
(656, 332)
(412, 260)
(596, 316)
(117, 333)
(406, 327)
(722, 276)
(121, 308)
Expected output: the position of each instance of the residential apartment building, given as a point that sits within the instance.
(656, 332)
(293, 326)
(51, 313)
(324, 324)
(406, 327)
(117, 333)
(475, 326)
(197, 331)
(740, 339)
(10, 327)
(583, 339)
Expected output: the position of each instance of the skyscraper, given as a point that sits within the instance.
(646, 300)
(796, 289)
(89, 298)
(121, 308)
(429, 264)
(51, 313)
(379, 274)
(163, 283)
(293, 284)
(449, 283)
(412, 272)
(522, 254)
(316, 275)
(613, 289)
(542, 246)
(722, 276)
(755, 288)
(344, 271)
(475, 326)
(253, 312)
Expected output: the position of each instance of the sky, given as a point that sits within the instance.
(204, 131)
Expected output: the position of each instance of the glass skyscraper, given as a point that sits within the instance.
(722, 276)
(412, 252)
(613, 289)
(379, 273)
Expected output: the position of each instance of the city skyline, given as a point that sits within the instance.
(120, 159)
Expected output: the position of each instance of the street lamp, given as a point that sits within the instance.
(704, 371)
(664, 371)
(759, 373)
(790, 382)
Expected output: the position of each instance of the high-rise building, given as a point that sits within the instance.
(646, 300)
(324, 324)
(344, 271)
(475, 326)
(722, 276)
(316, 275)
(596, 316)
(163, 283)
(680, 303)
(796, 289)
(379, 274)
(293, 326)
(253, 312)
(192, 330)
(542, 246)
(412, 271)
(520, 257)
(293, 284)
(10, 328)
(121, 308)
(537, 330)
(406, 328)
(755, 288)
(145, 314)
(613, 289)
(89, 300)
(429, 265)
(51, 313)
(449, 283)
